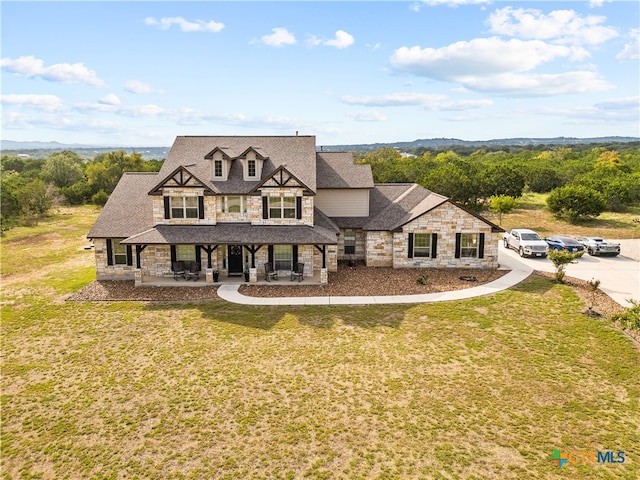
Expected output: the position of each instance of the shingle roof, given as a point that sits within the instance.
(129, 209)
(393, 205)
(233, 233)
(338, 170)
(298, 153)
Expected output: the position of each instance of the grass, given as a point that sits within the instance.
(532, 214)
(484, 388)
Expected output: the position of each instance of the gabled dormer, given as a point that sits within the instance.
(220, 164)
(252, 162)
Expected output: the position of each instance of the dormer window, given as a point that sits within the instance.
(217, 168)
(251, 168)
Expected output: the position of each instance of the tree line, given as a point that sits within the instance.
(29, 187)
(580, 183)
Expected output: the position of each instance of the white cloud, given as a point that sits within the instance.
(125, 110)
(631, 50)
(47, 103)
(627, 103)
(598, 3)
(110, 99)
(135, 86)
(29, 66)
(480, 56)
(531, 85)
(166, 23)
(426, 100)
(560, 26)
(451, 3)
(280, 36)
(341, 40)
(367, 116)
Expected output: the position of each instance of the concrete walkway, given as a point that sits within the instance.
(518, 273)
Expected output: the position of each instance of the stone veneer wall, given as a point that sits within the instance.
(379, 249)
(210, 201)
(110, 272)
(446, 220)
(360, 245)
(307, 208)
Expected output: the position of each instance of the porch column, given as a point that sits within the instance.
(324, 276)
(137, 277)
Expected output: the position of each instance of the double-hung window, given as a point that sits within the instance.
(184, 207)
(233, 204)
(349, 242)
(422, 245)
(119, 252)
(185, 253)
(282, 207)
(469, 245)
(217, 168)
(251, 168)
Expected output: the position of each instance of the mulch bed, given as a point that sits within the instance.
(125, 290)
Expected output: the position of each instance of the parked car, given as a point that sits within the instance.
(561, 242)
(599, 246)
(527, 242)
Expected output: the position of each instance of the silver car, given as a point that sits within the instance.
(599, 246)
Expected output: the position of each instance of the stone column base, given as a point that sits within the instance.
(324, 276)
(137, 277)
(253, 275)
(209, 275)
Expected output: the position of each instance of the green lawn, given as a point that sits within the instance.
(485, 388)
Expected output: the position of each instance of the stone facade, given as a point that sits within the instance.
(361, 241)
(446, 220)
(379, 249)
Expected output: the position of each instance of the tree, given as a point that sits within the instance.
(501, 179)
(573, 202)
(451, 181)
(542, 179)
(63, 169)
(502, 204)
(34, 199)
(560, 259)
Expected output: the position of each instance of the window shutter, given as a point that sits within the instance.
(270, 254)
(481, 246)
(201, 207)
(434, 245)
(295, 256)
(167, 208)
(109, 252)
(129, 256)
(458, 241)
(299, 208)
(410, 247)
(173, 256)
(198, 255)
(265, 208)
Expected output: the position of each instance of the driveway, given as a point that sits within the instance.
(619, 276)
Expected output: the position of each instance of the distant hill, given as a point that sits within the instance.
(451, 142)
(38, 149)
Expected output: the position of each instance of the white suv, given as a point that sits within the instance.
(527, 242)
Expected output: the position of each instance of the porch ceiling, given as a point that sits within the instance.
(233, 233)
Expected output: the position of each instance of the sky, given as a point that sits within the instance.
(141, 73)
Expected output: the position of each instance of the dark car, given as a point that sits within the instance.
(560, 242)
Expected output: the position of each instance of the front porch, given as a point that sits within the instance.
(284, 278)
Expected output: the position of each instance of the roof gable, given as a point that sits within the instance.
(180, 177)
(282, 178)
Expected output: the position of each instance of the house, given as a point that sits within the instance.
(232, 203)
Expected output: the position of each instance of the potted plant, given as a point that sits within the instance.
(246, 272)
(216, 275)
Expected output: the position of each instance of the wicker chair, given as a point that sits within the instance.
(269, 272)
(178, 270)
(298, 272)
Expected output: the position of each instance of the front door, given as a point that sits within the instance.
(234, 257)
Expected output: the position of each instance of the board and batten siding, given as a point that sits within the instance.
(336, 202)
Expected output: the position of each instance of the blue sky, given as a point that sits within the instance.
(141, 73)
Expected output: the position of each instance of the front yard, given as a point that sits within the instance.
(484, 388)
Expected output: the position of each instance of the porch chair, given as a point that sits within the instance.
(269, 272)
(194, 271)
(178, 270)
(298, 272)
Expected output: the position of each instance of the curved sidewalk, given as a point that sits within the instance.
(518, 273)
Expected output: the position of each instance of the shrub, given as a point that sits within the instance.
(560, 259)
(629, 319)
(423, 280)
(573, 202)
(100, 198)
